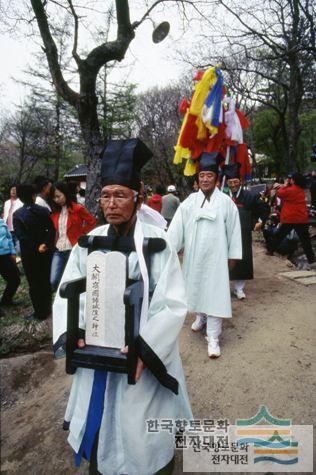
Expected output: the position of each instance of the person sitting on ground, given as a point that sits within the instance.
(71, 220)
(293, 215)
(155, 201)
(170, 204)
(8, 268)
(36, 234)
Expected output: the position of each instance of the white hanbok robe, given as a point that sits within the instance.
(209, 236)
(125, 446)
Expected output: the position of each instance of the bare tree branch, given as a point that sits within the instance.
(52, 55)
(267, 41)
(75, 44)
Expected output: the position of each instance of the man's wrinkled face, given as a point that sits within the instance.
(207, 181)
(234, 184)
(118, 203)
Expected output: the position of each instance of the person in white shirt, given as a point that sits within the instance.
(10, 206)
(43, 188)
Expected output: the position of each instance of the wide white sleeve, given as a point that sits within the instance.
(75, 268)
(233, 231)
(175, 231)
(151, 216)
(168, 308)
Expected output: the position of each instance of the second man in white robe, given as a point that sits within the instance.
(206, 225)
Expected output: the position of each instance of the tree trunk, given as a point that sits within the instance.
(91, 133)
(296, 89)
(93, 189)
(22, 146)
(294, 127)
(58, 138)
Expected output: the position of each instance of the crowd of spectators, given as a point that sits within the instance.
(41, 222)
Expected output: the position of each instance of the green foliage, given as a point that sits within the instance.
(118, 111)
(269, 140)
(307, 139)
(121, 111)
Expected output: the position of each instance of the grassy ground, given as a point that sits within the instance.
(19, 335)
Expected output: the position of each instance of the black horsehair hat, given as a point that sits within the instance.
(209, 162)
(232, 171)
(122, 161)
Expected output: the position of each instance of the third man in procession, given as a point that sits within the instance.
(253, 213)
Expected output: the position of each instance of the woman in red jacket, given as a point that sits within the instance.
(293, 215)
(71, 221)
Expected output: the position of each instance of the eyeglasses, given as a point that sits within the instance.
(118, 197)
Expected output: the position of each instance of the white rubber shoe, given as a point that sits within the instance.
(240, 294)
(213, 348)
(199, 322)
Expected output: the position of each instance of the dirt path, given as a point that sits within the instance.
(268, 357)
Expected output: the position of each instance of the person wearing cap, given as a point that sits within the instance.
(170, 204)
(107, 416)
(206, 225)
(293, 215)
(253, 213)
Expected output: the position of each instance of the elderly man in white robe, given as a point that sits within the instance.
(206, 225)
(119, 442)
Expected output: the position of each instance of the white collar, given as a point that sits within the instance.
(237, 194)
(201, 197)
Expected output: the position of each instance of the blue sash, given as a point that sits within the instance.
(94, 418)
